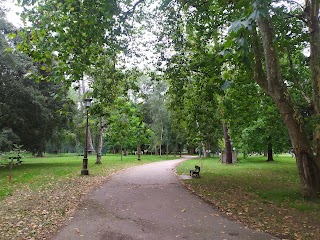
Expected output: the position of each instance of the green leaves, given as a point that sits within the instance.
(125, 128)
(77, 31)
(238, 25)
(226, 85)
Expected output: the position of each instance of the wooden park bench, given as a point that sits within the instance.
(196, 172)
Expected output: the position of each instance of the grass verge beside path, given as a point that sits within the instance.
(263, 195)
(44, 192)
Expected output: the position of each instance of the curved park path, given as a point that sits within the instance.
(148, 202)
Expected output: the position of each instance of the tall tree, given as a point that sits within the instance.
(255, 122)
(159, 115)
(257, 30)
(122, 130)
(274, 84)
(28, 108)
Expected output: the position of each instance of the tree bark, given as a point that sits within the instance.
(204, 148)
(227, 144)
(139, 151)
(39, 153)
(270, 151)
(161, 139)
(167, 151)
(100, 140)
(312, 13)
(274, 85)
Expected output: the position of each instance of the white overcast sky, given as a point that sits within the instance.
(12, 12)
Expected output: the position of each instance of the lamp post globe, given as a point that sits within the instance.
(85, 170)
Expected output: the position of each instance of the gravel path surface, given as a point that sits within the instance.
(148, 202)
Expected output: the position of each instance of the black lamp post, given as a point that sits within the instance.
(84, 170)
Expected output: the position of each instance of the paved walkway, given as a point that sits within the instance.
(148, 202)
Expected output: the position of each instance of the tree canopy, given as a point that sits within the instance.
(30, 111)
(247, 71)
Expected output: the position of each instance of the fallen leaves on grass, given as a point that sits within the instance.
(30, 214)
(277, 219)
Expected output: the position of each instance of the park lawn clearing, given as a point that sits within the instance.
(44, 192)
(262, 195)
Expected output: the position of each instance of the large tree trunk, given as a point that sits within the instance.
(192, 150)
(100, 140)
(204, 150)
(39, 153)
(312, 13)
(208, 148)
(167, 151)
(276, 88)
(270, 152)
(161, 140)
(227, 144)
(139, 151)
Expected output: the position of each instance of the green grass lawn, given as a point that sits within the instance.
(264, 195)
(45, 192)
(38, 172)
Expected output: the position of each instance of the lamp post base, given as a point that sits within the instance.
(84, 172)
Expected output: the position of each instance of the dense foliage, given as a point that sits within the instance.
(30, 111)
(237, 70)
